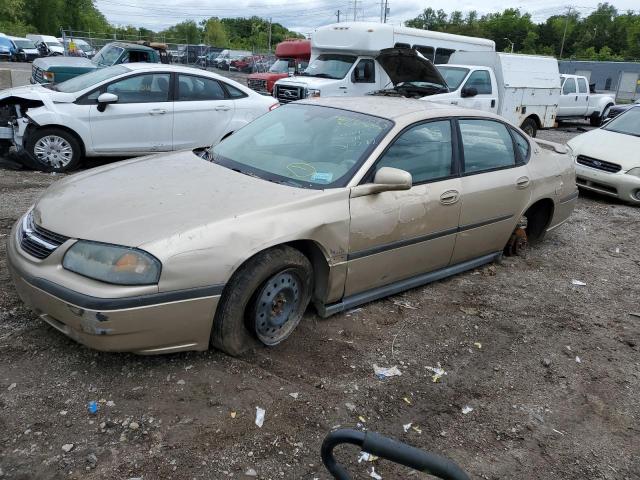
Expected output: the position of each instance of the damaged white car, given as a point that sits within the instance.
(125, 110)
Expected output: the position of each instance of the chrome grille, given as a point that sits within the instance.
(599, 164)
(288, 93)
(257, 84)
(36, 73)
(37, 241)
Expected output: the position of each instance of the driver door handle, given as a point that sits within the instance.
(523, 182)
(157, 111)
(449, 197)
(222, 108)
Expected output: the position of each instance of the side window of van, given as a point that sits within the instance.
(426, 52)
(401, 45)
(443, 54)
(364, 72)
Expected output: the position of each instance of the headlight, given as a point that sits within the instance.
(112, 264)
(635, 172)
(48, 76)
(312, 92)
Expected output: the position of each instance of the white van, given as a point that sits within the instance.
(524, 89)
(343, 58)
(50, 41)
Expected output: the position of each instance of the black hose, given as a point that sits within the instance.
(388, 449)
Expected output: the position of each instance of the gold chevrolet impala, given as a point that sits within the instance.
(333, 201)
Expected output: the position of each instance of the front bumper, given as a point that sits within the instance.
(144, 324)
(618, 185)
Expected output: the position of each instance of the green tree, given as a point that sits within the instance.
(215, 32)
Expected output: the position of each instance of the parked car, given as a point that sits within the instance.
(83, 48)
(132, 109)
(50, 43)
(621, 108)
(26, 50)
(577, 102)
(607, 157)
(7, 49)
(338, 201)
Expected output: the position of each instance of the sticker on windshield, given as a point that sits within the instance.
(322, 177)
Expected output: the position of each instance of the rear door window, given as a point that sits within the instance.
(487, 145)
(582, 86)
(193, 88)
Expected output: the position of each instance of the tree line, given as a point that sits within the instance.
(604, 34)
(19, 17)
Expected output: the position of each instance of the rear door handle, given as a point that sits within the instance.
(523, 182)
(449, 197)
(222, 108)
(157, 111)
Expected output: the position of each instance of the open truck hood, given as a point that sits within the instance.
(404, 65)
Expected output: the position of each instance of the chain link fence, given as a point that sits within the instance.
(87, 44)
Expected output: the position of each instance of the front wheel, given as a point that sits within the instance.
(530, 127)
(54, 149)
(596, 120)
(264, 300)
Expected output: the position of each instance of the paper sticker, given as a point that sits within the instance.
(322, 177)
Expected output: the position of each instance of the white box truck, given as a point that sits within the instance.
(524, 89)
(343, 58)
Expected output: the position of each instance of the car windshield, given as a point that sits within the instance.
(107, 55)
(87, 80)
(627, 123)
(280, 66)
(307, 146)
(329, 65)
(24, 44)
(453, 75)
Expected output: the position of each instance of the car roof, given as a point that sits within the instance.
(173, 68)
(395, 108)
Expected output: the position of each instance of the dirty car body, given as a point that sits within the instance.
(337, 202)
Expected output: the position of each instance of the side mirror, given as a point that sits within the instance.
(387, 179)
(105, 99)
(468, 92)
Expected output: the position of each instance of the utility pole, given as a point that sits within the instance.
(338, 15)
(386, 10)
(564, 35)
(355, 9)
(270, 21)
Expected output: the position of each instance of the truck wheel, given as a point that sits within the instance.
(54, 149)
(530, 127)
(596, 120)
(264, 300)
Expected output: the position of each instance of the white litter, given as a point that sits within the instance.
(373, 474)
(260, 416)
(578, 283)
(578, 360)
(406, 427)
(466, 410)
(382, 372)
(294, 395)
(438, 372)
(366, 457)
(111, 403)
(12, 386)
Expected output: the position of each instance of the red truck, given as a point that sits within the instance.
(292, 58)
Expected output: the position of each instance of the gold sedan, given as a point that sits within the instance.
(335, 201)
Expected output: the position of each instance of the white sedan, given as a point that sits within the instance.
(607, 158)
(127, 110)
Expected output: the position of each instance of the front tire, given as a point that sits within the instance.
(54, 149)
(264, 301)
(530, 127)
(596, 120)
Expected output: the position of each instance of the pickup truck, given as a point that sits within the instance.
(577, 102)
(58, 69)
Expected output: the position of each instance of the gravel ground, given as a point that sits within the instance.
(550, 370)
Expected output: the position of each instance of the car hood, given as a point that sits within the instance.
(608, 146)
(407, 65)
(267, 76)
(47, 63)
(153, 198)
(34, 92)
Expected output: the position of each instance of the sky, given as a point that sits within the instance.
(304, 15)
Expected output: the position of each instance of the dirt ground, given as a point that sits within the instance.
(551, 371)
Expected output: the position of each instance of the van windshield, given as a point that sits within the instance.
(453, 75)
(107, 55)
(280, 66)
(330, 65)
(24, 44)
